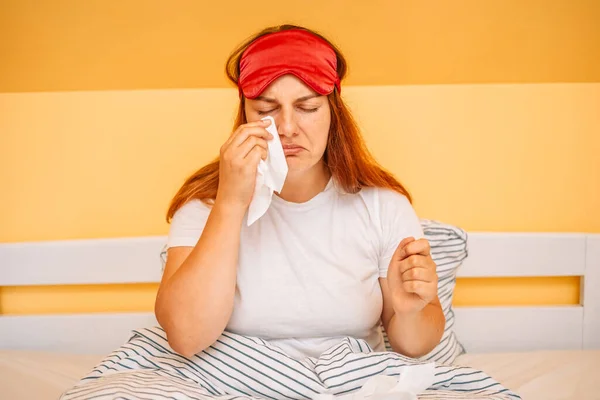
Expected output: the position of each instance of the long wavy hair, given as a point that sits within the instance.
(346, 155)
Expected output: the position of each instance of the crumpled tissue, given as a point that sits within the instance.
(270, 176)
(414, 379)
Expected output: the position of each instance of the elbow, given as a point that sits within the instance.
(413, 353)
(183, 340)
(180, 340)
(182, 328)
(188, 344)
(183, 347)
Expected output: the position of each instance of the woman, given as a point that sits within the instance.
(290, 306)
(319, 265)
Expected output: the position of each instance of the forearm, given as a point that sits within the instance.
(195, 304)
(415, 335)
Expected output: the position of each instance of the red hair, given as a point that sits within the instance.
(346, 155)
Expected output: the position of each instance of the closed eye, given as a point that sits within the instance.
(309, 110)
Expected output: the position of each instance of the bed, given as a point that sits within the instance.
(540, 352)
(548, 375)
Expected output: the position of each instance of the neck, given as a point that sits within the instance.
(302, 186)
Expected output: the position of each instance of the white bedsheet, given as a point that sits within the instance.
(544, 375)
(38, 375)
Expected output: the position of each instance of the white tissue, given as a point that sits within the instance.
(269, 177)
(414, 379)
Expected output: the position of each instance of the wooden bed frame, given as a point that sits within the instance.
(480, 329)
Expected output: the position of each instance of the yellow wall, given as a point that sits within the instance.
(131, 44)
(106, 106)
(140, 297)
(485, 157)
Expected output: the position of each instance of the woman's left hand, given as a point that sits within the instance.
(412, 277)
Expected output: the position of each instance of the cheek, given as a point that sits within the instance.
(318, 128)
(323, 138)
(324, 131)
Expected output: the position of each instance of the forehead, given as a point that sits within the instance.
(287, 86)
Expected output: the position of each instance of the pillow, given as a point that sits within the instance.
(448, 250)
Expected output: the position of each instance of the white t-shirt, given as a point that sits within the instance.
(308, 272)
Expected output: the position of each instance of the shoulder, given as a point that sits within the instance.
(391, 211)
(191, 211)
(386, 200)
(194, 206)
(188, 223)
(392, 198)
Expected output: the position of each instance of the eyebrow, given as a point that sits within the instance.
(298, 100)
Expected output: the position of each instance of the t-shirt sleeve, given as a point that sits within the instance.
(398, 221)
(188, 223)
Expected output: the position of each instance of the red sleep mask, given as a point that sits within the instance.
(293, 51)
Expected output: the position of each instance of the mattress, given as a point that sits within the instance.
(544, 375)
(40, 375)
(547, 375)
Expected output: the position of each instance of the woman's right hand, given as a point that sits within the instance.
(240, 156)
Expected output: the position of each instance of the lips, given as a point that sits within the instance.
(292, 149)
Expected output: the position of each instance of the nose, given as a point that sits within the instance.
(286, 123)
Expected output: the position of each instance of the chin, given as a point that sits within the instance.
(296, 164)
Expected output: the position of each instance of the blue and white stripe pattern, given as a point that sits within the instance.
(241, 367)
(448, 250)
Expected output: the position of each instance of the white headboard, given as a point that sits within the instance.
(480, 329)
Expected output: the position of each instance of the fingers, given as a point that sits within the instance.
(406, 241)
(399, 253)
(246, 138)
(255, 155)
(419, 274)
(409, 246)
(263, 153)
(420, 246)
(251, 129)
(415, 286)
(249, 145)
(417, 260)
(261, 123)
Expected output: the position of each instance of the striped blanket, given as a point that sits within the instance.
(241, 367)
